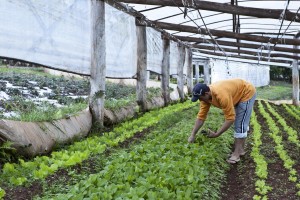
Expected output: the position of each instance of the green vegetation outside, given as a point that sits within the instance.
(116, 95)
(277, 90)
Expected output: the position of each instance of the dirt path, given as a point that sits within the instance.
(240, 179)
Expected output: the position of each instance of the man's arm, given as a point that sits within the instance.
(226, 125)
(197, 126)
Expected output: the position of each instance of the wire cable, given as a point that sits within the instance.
(185, 13)
(220, 48)
(281, 16)
(290, 23)
(151, 9)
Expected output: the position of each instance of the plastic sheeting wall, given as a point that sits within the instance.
(57, 34)
(154, 50)
(121, 44)
(52, 33)
(155, 53)
(256, 74)
(174, 54)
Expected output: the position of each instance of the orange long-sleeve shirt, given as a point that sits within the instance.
(225, 95)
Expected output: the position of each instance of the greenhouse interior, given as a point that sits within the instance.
(149, 99)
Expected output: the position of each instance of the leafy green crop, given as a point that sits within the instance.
(43, 166)
(2, 193)
(163, 166)
(261, 169)
(288, 162)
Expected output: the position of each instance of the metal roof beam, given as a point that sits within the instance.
(234, 44)
(241, 36)
(252, 53)
(243, 57)
(222, 7)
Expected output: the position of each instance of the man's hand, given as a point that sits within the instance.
(197, 126)
(212, 134)
(191, 139)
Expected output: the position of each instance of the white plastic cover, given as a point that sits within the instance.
(53, 33)
(154, 50)
(121, 44)
(174, 54)
(257, 74)
(57, 33)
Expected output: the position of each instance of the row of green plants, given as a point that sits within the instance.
(288, 163)
(43, 166)
(261, 165)
(2, 193)
(162, 166)
(292, 134)
(292, 111)
(294, 108)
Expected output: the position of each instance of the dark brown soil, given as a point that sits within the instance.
(241, 177)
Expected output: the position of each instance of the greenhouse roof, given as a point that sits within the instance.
(257, 30)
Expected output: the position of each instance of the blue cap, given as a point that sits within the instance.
(199, 90)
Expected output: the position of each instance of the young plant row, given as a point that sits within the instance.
(292, 134)
(292, 111)
(261, 169)
(2, 193)
(164, 166)
(279, 148)
(294, 108)
(43, 166)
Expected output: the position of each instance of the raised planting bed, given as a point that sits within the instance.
(40, 111)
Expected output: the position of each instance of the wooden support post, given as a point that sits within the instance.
(197, 72)
(165, 82)
(189, 73)
(295, 83)
(295, 76)
(141, 67)
(206, 72)
(180, 78)
(98, 61)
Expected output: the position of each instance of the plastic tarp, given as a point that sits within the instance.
(53, 33)
(155, 53)
(57, 34)
(174, 54)
(257, 74)
(154, 50)
(121, 44)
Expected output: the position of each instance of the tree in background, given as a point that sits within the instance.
(281, 74)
